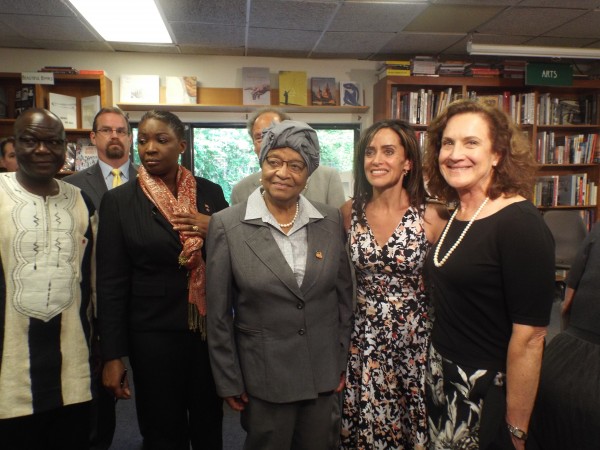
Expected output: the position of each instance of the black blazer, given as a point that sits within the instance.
(140, 286)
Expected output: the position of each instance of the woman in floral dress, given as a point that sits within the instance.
(390, 230)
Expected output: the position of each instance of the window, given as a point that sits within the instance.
(224, 154)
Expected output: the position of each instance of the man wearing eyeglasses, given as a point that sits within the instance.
(45, 295)
(111, 134)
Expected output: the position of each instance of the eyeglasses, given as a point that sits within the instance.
(107, 132)
(31, 143)
(293, 166)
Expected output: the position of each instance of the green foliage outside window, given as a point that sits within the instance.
(226, 155)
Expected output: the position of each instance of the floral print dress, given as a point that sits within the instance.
(384, 404)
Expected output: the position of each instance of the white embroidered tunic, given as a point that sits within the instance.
(45, 301)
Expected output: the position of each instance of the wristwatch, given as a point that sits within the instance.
(517, 432)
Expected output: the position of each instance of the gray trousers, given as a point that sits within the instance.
(302, 425)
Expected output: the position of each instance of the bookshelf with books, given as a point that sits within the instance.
(563, 124)
(68, 93)
(74, 86)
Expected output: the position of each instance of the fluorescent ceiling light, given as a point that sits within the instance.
(125, 20)
(533, 51)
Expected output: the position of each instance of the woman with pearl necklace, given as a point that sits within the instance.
(491, 276)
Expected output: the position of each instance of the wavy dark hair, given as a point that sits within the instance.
(515, 172)
(412, 182)
(168, 118)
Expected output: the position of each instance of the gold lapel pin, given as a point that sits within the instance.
(319, 255)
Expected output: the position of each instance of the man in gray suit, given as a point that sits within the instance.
(111, 134)
(324, 185)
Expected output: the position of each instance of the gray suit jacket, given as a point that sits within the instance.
(267, 336)
(324, 186)
(92, 182)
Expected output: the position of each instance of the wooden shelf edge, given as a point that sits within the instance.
(566, 207)
(242, 108)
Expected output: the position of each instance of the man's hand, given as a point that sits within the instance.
(237, 403)
(114, 378)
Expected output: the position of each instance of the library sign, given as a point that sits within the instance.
(537, 74)
(37, 77)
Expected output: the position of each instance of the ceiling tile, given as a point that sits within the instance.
(208, 35)
(379, 17)
(16, 42)
(292, 40)
(205, 11)
(53, 44)
(586, 4)
(527, 21)
(199, 50)
(585, 26)
(451, 19)
(37, 7)
(290, 15)
(420, 43)
(49, 28)
(346, 43)
(552, 41)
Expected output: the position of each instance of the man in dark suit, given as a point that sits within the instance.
(111, 134)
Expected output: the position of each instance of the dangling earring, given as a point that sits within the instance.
(306, 186)
(405, 172)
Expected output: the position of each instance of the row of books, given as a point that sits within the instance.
(324, 91)
(567, 149)
(256, 89)
(419, 107)
(429, 66)
(565, 190)
(560, 111)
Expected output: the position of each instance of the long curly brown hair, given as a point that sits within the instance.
(515, 172)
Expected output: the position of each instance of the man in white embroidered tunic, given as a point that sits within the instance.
(45, 290)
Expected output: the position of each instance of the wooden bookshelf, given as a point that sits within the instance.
(74, 85)
(387, 90)
(230, 100)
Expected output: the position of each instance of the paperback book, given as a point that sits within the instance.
(351, 93)
(89, 108)
(181, 90)
(256, 86)
(140, 88)
(65, 107)
(323, 91)
(292, 88)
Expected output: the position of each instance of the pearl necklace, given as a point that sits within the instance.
(289, 224)
(436, 254)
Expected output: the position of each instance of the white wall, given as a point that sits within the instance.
(212, 71)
